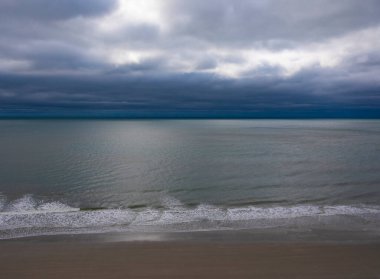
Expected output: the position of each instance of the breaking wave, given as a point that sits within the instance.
(29, 217)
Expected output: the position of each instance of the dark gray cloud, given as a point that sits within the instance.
(36, 32)
(264, 58)
(53, 10)
(312, 93)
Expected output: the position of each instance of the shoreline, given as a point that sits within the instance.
(75, 258)
(284, 235)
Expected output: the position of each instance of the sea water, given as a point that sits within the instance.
(139, 176)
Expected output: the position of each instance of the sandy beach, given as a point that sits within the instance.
(173, 259)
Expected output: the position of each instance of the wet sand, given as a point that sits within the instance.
(38, 259)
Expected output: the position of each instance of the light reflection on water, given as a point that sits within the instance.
(116, 164)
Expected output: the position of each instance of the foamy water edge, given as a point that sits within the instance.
(29, 217)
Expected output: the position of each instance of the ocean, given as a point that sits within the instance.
(297, 177)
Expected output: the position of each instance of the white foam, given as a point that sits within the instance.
(251, 212)
(79, 219)
(171, 202)
(28, 205)
(36, 216)
(147, 216)
(55, 207)
(184, 215)
(349, 210)
(24, 204)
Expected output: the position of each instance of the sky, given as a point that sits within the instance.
(181, 58)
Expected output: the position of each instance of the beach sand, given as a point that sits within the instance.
(176, 259)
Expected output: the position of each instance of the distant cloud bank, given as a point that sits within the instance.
(210, 58)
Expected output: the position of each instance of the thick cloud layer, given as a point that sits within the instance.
(292, 21)
(53, 10)
(219, 58)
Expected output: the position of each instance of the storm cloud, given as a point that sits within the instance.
(167, 58)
